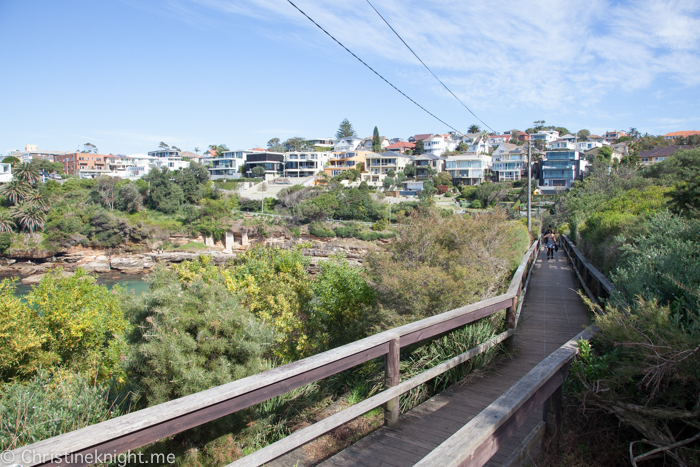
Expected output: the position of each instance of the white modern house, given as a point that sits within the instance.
(561, 144)
(378, 165)
(478, 143)
(438, 144)
(351, 143)
(496, 140)
(164, 153)
(225, 167)
(587, 145)
(5, 173)
(468, 169)
(305, 164)
(546, 136)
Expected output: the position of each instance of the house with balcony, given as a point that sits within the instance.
(272, 162)
(611, 136)
(656, 155)
(510, 165)
(584, 146)
(350, 143)
(305, 164)
(164, 153)
(82, 164)
(561, 144)
(546, 136)
(342, 161)
(560, 168)
(424, 162)
(468, 169)
(225, 167)
(496, 140)
(5, 173)
(378, 165)
(478, 143)
(437, 145)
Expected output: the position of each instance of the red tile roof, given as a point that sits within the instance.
(402, 145)
(684, 134)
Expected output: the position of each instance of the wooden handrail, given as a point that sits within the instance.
(478, 440)
(586, 273)
(151, 424)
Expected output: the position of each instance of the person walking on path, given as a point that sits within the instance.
(550, 243)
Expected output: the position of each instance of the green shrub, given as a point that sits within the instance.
(5, 241)
(320, 230)
(49, 406)
(380, 225)
(476, 204)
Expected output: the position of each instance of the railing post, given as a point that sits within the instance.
(511, 313)
(552, 414)
(392, 377)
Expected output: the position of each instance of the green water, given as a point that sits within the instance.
(132, 283)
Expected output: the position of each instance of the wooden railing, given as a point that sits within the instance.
(137, 429)
(477, 441)
(593, 282)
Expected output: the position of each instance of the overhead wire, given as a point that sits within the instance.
(427, 68)
(372, 69)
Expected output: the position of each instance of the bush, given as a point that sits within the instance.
(191, 332)
(5, 241)
(49, 406)
(380, 225)
(476, 204)
(320, 230)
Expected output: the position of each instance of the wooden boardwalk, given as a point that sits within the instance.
(552, 314)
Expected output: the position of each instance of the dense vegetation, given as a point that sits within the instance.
(79, 353)
(639, 380)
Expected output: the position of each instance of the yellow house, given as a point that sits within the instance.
(342, 161)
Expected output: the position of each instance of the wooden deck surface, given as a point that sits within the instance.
(552, 314)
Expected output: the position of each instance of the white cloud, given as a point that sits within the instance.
(545, 52)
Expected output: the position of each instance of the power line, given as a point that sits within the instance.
(372, 69)
(426, 67)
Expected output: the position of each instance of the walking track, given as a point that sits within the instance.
(552, 314)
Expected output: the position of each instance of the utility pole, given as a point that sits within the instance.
(529, 186)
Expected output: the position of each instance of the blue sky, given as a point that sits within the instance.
(127, 74)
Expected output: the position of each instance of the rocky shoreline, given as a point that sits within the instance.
(103, 261)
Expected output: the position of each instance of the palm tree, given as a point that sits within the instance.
(474, 129)
(7, 222)
(26, 173)
(29, 216)
(37, 199)
(15, 190)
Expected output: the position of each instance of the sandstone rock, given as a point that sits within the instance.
(130, 263)
(36, 278)
(97, 266)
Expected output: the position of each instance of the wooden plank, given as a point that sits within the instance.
(392, 378)
(480, 435)
(528, 445)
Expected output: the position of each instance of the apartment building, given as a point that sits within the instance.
(272, 162)
(378, 165)
(437, 145)
(74, 162)
(342, 161)
(561, 168)
(510, 164)
(305, 164)
(468, 169)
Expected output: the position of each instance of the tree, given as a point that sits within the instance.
(15, 190)
(7, 223)
(583, 134)
(89, 148)
(37, 199)
(345, 130)
(420, 147)
(45, 165)
(129, 198)
(410, 170)
(105, 191)
(634, 134)
(428, 191)
(474, 128)
(26, 173)
(274, 145)
(164, 146)
(10, 160)
(561, 130)
(196, 150)
(219, 149)
(391, 173)
(29, 216)
(376, 142)
(175, 148)
(463, 147)
(296, 144)
(258, 171)
(388, 182)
